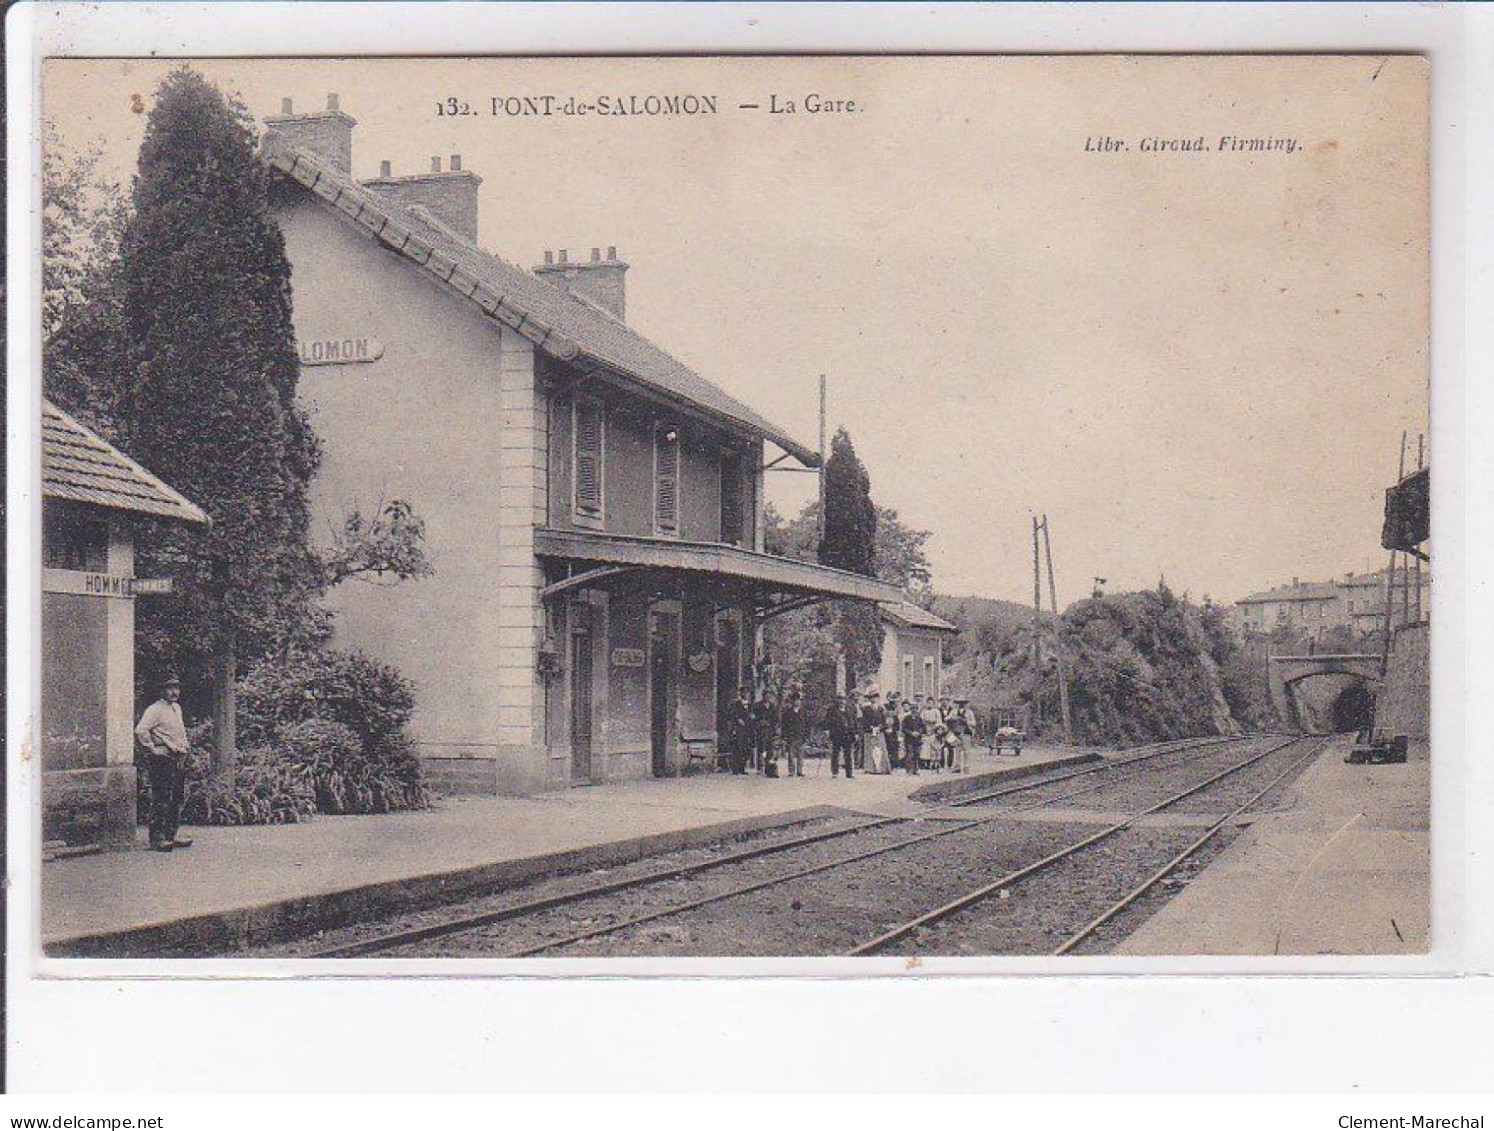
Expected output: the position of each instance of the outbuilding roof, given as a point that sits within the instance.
(79, 465)
(558, 322)
(908, 615)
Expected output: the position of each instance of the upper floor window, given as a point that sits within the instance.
(731, 499)
(667, 479)
(588, 438)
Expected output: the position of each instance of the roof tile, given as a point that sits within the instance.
(533, 305)
(79, 465)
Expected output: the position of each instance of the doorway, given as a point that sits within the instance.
(581, 693)
(663, 690)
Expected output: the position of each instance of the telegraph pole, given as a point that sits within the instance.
(1037, 628)
(1063, 679)
(1420, 463)
(820, 521)
(1390, 572)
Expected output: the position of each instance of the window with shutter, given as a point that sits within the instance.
(588, 446)
(667, 479)
(731, 500)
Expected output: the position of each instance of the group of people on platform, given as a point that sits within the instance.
(912, 733)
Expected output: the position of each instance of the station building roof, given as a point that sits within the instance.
(558, 322)
(905, 614)
(81, 466)
(618, 555)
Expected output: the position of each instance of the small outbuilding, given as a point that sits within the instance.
(92, 497)
(912, 649)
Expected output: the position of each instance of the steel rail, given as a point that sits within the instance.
(773, 881)
(1121, 765)
(1162, 749)
(462, 924)
(1213, 830)
(392, 939)
(972, 897)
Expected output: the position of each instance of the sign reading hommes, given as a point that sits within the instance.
(339, 351)
(102, 584)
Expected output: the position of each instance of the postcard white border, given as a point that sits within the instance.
(338, 1000)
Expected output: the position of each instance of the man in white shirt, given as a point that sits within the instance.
(162, 734)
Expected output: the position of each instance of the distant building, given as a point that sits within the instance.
(1356, 602)
(1311, 608)
(1364, 597)
(92, 497)
(912, 650)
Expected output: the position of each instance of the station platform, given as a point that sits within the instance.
(237, 885)
(1342, 866)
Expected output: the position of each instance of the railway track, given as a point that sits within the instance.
(1006, 882)
(1103, 775)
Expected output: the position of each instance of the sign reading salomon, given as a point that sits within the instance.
(339, 351)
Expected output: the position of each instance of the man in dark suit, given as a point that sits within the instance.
(892, 731)
(914, 728)
(793, 725)
(844, 724)
(738, 730)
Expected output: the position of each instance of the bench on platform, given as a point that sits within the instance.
(702, 749)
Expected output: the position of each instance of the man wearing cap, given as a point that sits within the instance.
(162, 734)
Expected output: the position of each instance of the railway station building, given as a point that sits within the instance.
(593, 508)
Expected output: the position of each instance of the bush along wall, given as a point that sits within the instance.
(320, 732)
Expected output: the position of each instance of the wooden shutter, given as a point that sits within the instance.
(589, 457)
(731, 500)
(667, 479)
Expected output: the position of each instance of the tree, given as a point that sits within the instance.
(210, 384)
(83, 221)
(849, 541)
(812, 636)
(899, 557)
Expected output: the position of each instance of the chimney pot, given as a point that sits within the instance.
(611, 252)
(332, 102)
(549, 258)
(456, 162)
(1296, 581)
(435, 164)
(596, 255)
(329, 134)
(386, 168)
(563, 255)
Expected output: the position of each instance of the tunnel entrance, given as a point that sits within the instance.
(1353, 710)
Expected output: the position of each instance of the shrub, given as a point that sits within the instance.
(319, 732)
(267, 790)
(342, 716)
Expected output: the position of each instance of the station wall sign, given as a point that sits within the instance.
(339, 351)
(86, 584)
(627, 657)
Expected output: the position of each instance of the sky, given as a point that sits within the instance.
(1198, 364)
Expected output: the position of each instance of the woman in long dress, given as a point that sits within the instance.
(872, 718)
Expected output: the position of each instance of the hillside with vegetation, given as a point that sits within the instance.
(1141, 667)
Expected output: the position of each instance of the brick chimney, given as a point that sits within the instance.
(327, 133)
(450, 194)
(600, 281)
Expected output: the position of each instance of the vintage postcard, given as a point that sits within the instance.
(688, 508)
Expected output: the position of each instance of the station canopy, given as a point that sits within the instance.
(583, 559)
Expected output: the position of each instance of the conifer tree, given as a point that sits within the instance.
(209, 392)
(850, 536)
(850, 543)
